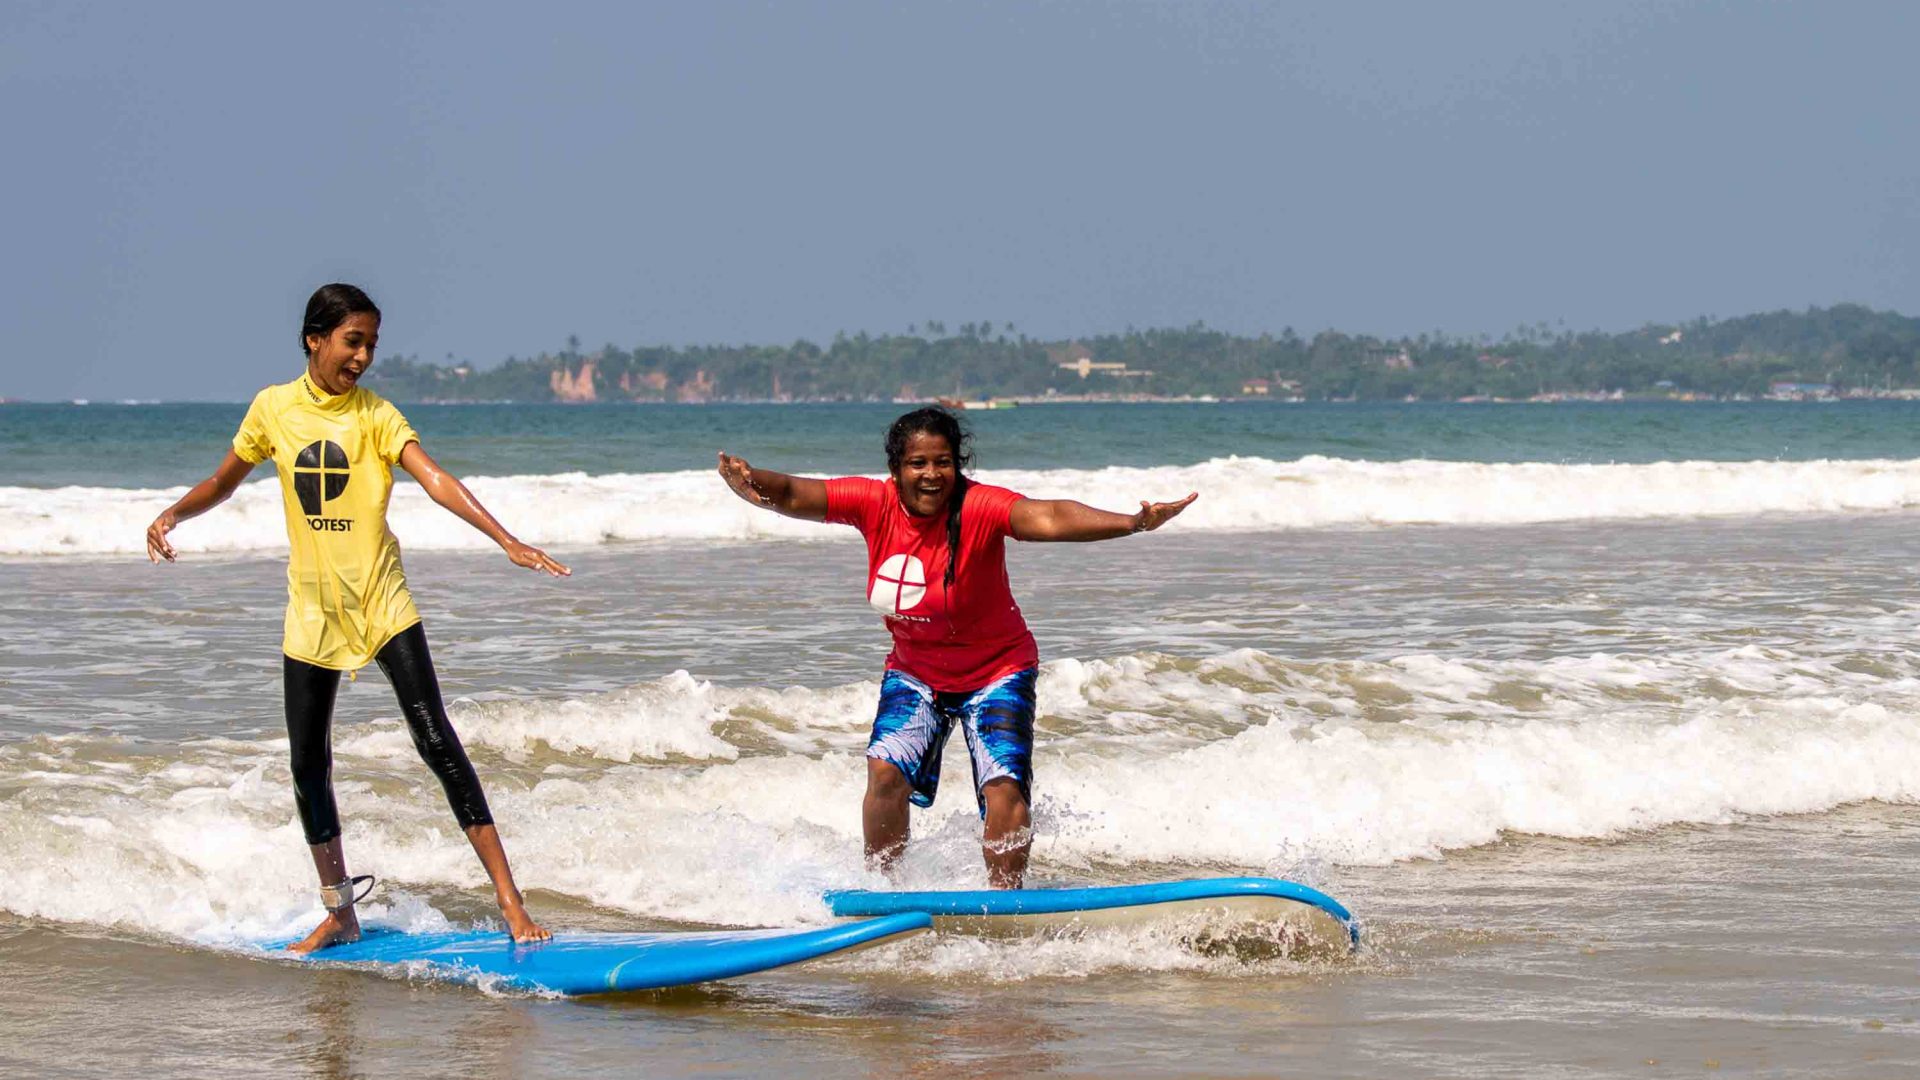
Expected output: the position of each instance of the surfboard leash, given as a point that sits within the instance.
(340, 895)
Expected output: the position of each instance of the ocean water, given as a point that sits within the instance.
(1601, 718)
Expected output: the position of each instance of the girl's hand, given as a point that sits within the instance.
(739, 476)
(157, 546)
(534, 559)
(1152, 515)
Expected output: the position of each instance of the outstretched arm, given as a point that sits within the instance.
(795, 496)
(199, 499)
(446, 489)
(1064, 519)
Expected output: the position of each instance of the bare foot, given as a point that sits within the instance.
(522, 926)
(337, 927)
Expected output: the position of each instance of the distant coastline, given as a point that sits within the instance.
(1845, 351)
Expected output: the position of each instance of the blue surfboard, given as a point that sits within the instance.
(991, 910)
(599, 963)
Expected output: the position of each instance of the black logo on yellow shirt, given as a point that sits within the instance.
(319, 476)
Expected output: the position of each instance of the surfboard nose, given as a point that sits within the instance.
(1033, 910)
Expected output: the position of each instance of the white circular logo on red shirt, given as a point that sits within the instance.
(899, 584)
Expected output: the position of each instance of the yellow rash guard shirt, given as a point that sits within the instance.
(346, 592)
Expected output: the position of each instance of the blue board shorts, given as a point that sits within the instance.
(911, 727)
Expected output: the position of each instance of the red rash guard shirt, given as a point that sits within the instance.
(959, 642)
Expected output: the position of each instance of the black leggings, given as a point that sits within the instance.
(310, 694)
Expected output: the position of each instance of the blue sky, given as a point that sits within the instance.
(499, 176)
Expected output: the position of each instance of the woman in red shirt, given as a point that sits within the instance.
(961, 650)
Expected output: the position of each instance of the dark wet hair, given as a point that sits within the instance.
(329, 306)
(933, 420)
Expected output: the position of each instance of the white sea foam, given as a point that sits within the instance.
(1244, 493)
(681, 800)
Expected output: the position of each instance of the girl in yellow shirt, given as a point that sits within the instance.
(335, 445)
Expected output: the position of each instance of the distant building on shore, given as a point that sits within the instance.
(1799, 391)
(1074, 356)
(575, 388)
(1395, 359)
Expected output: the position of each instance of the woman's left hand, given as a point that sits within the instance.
(1152, 515)
(534, 559)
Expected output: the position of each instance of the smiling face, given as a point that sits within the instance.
(336, 361)
(926, 474)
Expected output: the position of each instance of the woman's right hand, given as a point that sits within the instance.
(739, 476)
(157, 546)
